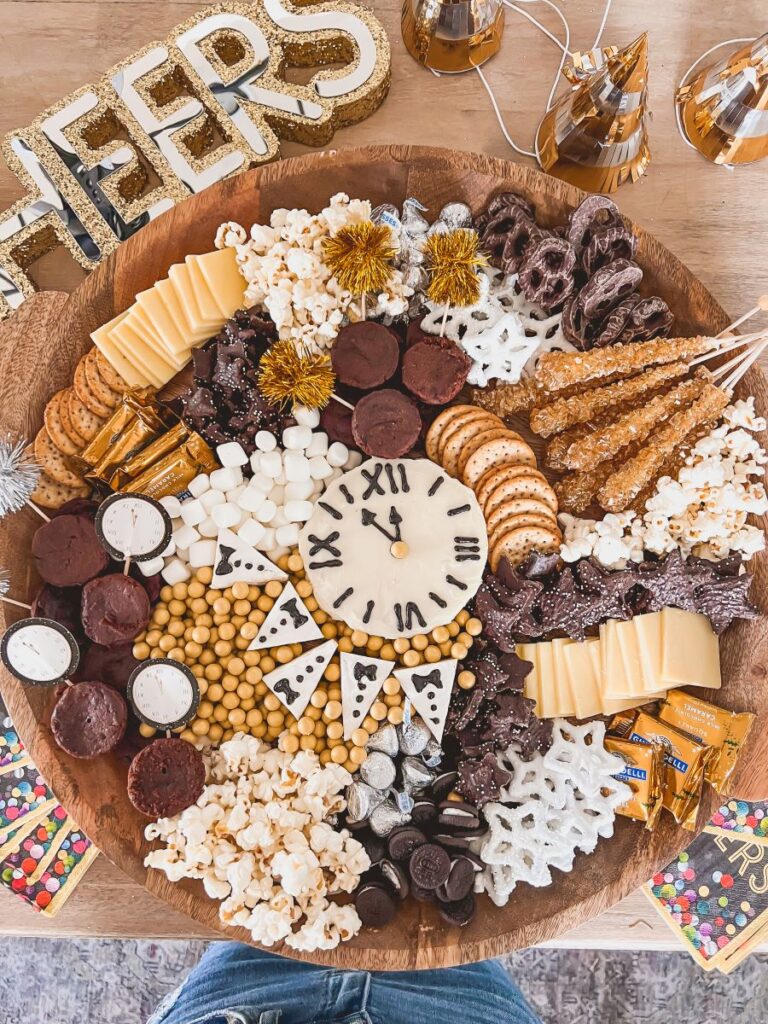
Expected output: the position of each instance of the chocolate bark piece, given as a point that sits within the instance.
(114, 608)
(386, 424)
(89, 719)
(68, 552)
(165, 777)
(365, 355)
(374, 905)
(435, 370)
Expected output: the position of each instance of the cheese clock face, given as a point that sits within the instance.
(40, 652)
(395, 547)
(133, 525)
(163, 693)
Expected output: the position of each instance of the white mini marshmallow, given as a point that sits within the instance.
(227, 515)
(202, 553)
(296, 438)
(192, 512)
(318, 445)
(251, 531)
(279, 518)
(262, 483)
(319, 468)
(199, 485)
(306, 417)
(235, 493)
(227, 478)
(251, 499)
(354, 459)
(266, 511)
(211, 499)
(151, 567)
(287, 536)
(172, 505)
(185, 536)
(299, 490)
(281, 479)
(265, 441)
(209, 527)
(231, 454)
(338, 454)
(170, 548)
(271, 464)
(176, 572)
(277, 494)
(298, 511)
(296, 467)
(267, 540)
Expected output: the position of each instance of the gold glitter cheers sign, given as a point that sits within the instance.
(208, 102)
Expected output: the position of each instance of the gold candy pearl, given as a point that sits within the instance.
(466, 679)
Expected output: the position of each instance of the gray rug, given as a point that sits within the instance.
(45, 981)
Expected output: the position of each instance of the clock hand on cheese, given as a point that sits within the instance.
(423, 576)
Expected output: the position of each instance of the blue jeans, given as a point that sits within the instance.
(237, 984)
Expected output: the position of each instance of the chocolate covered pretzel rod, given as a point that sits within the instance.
(558, 370)
(623, 486)
(634, 426)
(567, 412)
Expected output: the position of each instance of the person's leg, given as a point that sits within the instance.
(481, 993)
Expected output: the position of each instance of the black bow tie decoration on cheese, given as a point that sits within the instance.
(293, 684)
(428, 688)
(238, 562)
(361, 680)
(288, 622)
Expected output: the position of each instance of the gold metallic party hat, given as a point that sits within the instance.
(595, 136)
(724, 109)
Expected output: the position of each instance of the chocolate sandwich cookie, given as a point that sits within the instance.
(89, 719)
(459, 912)
(115, 608)
(165, 777)
(458, 814)
(68, 552)
(453, 842)
(435, 370)
(365, 355)
(403, 841)
(395, 875)
(374, 905)
(421, 894)
(424, 812)
(460, 880)
(443, 784)
(375, 846)
(386, 424)
(429, 866)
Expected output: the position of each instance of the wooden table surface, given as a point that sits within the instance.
(715, 220)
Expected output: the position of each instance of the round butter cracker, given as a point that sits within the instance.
(496, 453)
(517, 544)
(85, 395)
(96, 384)
(530, 485)
(438, 426)
(109, 374)
(55, 427)
(516, 507)
(53, 463)
(50, 494)
(85, 422)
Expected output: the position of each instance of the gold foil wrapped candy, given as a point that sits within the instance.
(724, 109)
(452, 35)
(595, 136)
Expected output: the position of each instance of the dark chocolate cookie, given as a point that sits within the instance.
(374, 905)
(435, 370)
(365, 355)
(68, 552)
(429, 866)
(165, 777)
(89, 719)
(115, 608)
(386, 424)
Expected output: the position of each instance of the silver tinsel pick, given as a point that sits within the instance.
(19, 474)
(5, 582)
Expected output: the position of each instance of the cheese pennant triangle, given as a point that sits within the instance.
(288, 622)
(238, 562)
(428, 688)
(361, 680)
(293, 684)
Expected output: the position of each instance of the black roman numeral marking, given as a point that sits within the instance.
(331, 563)
(455, 583)
(438, 600)
(319, 544)
(345, 491)
(368, 611)
(399, 617)
(458, 510)
(343, 597)
(436, 486)
(466, 549)
(374, 487)
(334, 512)
(404, 485)
(391, 477)
(412, 611)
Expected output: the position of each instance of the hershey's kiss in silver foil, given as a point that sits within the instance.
(378, 770)
(432, 754)
(415, 774)
(384, 740)
(456, 215)
(385, 817)
(361, 800)
(414, 736)
(412, 220)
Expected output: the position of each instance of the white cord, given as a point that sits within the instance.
(686, 76)
(600, 31)
(500, 119)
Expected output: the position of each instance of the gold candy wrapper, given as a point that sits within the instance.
(644, 774)
(137, 420)
(725, 731)
(685, 762)
(621, 723)
(151, 454)
(173, 472)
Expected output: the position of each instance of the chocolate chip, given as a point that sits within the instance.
(429, 866)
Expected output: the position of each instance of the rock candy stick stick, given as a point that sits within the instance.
(633, 426)
(557, 447)
(558, 370)
(567, 412)
(509, 399)
(625, 484)
(577, 491)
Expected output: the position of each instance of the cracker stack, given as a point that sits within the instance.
(519, 505)
(72, 418)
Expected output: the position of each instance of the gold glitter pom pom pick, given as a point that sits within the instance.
(360, 258)
(295, 376)
(452, 260)
(595, 136)
(722, 110)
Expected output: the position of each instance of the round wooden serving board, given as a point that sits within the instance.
(39, 349)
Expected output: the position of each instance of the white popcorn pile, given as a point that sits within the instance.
(259, 839)
(704, 512)
(503, 334)
(286, 274)
(267, 511)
